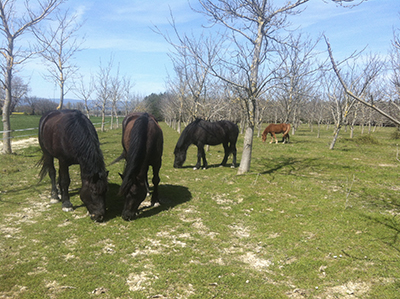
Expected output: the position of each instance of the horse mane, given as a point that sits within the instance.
(136, 153)
(187, 132)
(86, 143)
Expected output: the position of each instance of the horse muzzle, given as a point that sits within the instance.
(97, 218)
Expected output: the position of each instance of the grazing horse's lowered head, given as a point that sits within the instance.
(180, 156)
(93, 195)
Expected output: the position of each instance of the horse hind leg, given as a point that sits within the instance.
(226, 154)
(48, 166)
(234, 152)
(285, 139)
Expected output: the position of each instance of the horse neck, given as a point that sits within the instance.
(93, 165)
(184, 142)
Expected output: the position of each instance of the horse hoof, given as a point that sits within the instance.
(195, 168)
(232, 167)
(155, 205)
(54, 201)
(67, 209)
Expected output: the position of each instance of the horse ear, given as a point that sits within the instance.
(121, 175)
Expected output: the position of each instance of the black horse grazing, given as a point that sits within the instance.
(69, 136)
(200, 133)
(142, 140)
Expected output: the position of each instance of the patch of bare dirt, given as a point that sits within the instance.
(255, 262)
(22, 143)
(349, 290)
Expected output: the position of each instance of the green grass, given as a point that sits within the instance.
(21, 122)
(305, 222)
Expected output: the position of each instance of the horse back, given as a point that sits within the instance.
(61, 132)
(231, 130)
(154, 131)
(143, 146)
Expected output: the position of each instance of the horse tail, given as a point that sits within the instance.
(136, 153)
(122, 156)
(287, 130)
(44, 170)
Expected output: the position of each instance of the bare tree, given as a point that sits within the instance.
(13, 25)
(129, 100)
(353, 94)
(253, 28)
(115, 95)
(19, 91)
(103, 89)
(58, 44)
(299, 73)
(84, 90)
(352, 86)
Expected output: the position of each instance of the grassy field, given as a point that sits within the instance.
(27, 126)
(306, 222)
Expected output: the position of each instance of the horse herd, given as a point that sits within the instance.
(69, 136)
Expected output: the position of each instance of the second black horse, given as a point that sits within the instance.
(200, 133)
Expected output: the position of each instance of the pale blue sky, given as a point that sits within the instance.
(123, 29)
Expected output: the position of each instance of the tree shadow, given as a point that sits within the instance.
(287, 162)
(392, 239)
(170, 196)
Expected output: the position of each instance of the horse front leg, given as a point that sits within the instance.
(156, 180)
(64, 181)
(276, 140)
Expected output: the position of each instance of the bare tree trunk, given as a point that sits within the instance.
(13, 27)
(6, 110)
(61, 103)
(335, 136)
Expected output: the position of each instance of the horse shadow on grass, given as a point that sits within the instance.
(217, 165)
(170, 196)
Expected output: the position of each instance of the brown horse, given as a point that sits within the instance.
(142, 141)
(277, 129)
(69, 136)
